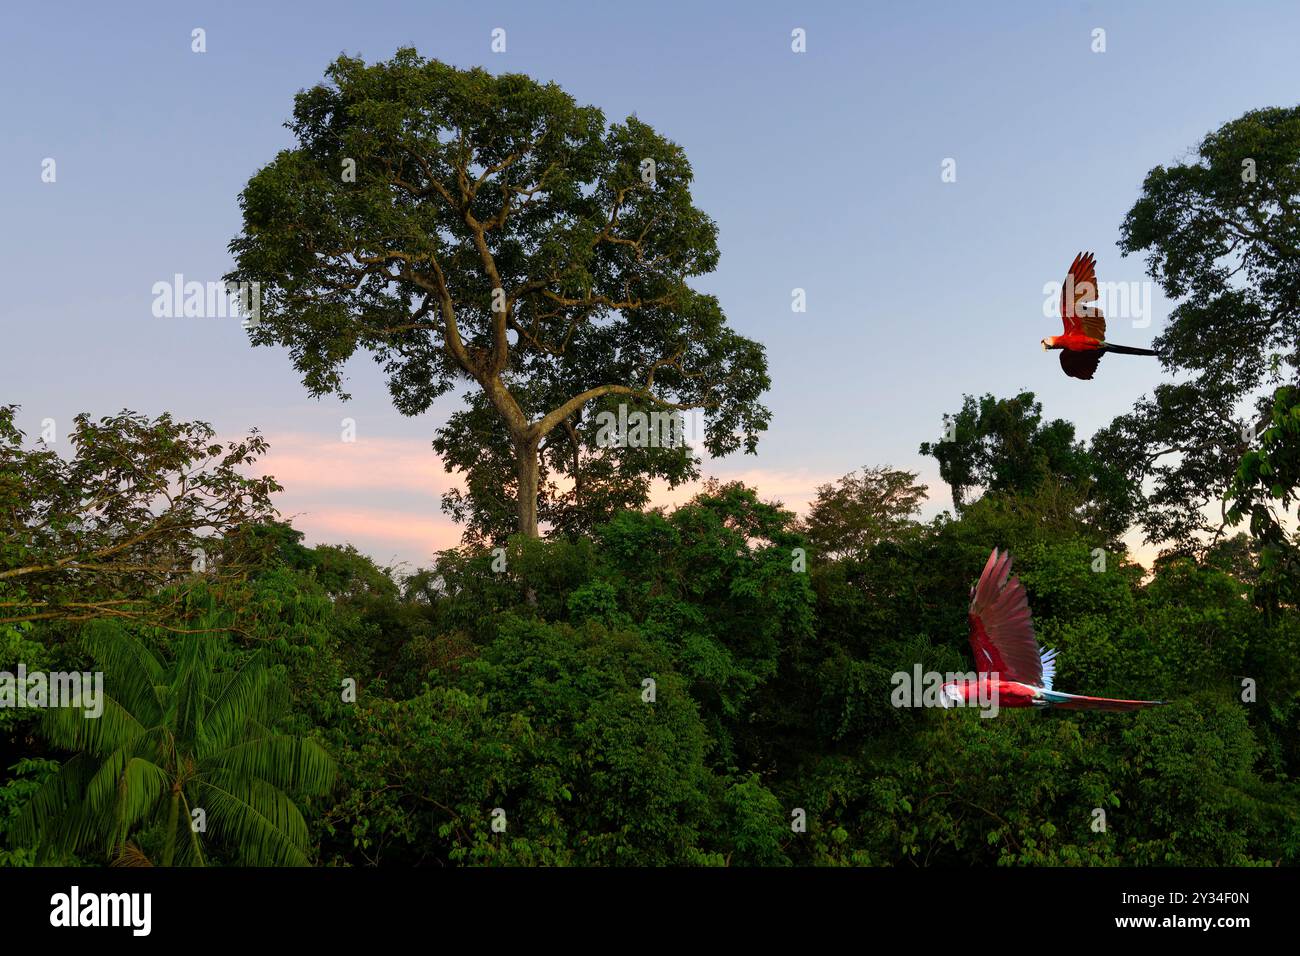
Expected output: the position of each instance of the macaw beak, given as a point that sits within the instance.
(1043, 343)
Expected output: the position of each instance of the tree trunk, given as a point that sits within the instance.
(173, 816)
(526, 475)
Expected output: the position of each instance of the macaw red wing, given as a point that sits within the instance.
(1001, 631)
(1080, 288)
(1080, 364)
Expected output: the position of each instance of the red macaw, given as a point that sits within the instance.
(1007, 655)
(1084, 341)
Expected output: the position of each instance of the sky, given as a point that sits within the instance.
(829, 170)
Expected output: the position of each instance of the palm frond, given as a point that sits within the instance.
(258, 820)
(130, 855)
(158, 728)
(71, 729)
(192, 675)
(242, 699)
(53, 818)
(132, 672)
(127, 789)
(290, 763)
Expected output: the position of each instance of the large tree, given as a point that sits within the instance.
(465, 227)
(1221, 232)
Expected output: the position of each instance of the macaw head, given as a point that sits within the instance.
(952, 694)
(1050, 343)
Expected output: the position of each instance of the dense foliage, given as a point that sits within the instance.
(708, 686)
(679, 688)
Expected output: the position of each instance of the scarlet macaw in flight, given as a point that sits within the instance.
(1007, 654)
(1084, 341)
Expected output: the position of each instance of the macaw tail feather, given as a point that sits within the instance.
(1078, 702)
(1128, 350)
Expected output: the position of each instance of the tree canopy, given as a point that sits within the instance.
(464, 227)
(1221, 233)
(862, 509)
(1002, 446)
(142, 503)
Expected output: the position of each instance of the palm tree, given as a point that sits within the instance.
(174, 738)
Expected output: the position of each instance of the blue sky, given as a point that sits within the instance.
(822, 169)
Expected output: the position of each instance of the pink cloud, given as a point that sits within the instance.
(342, 492)
(410, 536)
(335, 490)
(339, 492)
(307, 464)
